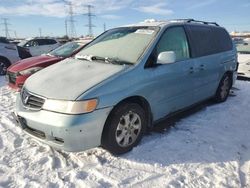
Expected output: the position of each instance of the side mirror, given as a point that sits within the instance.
(166, 57)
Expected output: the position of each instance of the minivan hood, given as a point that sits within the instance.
(70, 78)
(38, 61)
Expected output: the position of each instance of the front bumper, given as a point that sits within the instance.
(62, 131)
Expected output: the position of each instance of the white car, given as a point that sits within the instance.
(8, 55)
(38, 46)
(244, 60)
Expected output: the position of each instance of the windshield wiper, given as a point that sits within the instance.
(111, 60)
(121, 62)
(104, 59)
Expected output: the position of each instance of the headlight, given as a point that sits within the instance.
(70, 107)
(30, 70)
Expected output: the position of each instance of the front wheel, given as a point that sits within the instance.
(223, 90)
(124, 129)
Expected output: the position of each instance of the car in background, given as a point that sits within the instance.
(244, 60)
(125, 81)
(9, 54)
(38, 46)
(19, 72)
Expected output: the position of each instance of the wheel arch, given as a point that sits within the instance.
(6, 59)
(133, 99)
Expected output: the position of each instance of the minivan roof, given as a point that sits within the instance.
(156, 23)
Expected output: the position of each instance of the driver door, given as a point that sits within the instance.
(172, 85)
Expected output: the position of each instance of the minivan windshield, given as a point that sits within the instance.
(65, 50)
(243, 48)
(125, 44)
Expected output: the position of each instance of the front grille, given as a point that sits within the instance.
(12, 77)
(31, 101)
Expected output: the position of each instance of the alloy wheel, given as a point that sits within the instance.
(225, 87)
(128, 129)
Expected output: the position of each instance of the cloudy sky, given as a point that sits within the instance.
(27, 16)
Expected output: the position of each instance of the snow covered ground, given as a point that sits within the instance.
(209, 148)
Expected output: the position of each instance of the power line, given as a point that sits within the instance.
(90, 15)
(6, 27)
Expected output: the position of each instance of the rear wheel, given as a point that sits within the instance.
(124, 128)
(223, 90)
(4, 64)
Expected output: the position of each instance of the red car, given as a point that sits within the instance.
(20, 71)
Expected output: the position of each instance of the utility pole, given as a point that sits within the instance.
(15, 34)
(104, 27)
(72, 30)
(90, 15)
(66, 27)
(6, 27)
(40, 32)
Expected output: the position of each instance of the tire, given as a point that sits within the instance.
(223, 90)
(124, 128)
(4, 64)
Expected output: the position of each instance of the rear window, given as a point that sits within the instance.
(208, 40)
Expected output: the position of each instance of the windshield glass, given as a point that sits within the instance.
(22, 43)
(243, 48)
(123, 44)
(65, 50)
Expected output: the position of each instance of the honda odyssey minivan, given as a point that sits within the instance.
(124, 81)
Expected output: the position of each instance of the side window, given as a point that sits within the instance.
(52, 41)
(209, 40)
(42, 42)
(174, 39)
(49, 41)
(202, 41)
(31, 43)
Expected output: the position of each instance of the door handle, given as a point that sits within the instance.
(191, 70)
(202, 67)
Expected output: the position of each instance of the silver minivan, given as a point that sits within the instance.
(124, 81)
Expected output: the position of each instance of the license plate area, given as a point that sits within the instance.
(21, 122)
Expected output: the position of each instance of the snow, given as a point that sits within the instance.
(208, 148)
(244, 66)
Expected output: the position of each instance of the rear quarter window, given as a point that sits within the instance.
(222, 40)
